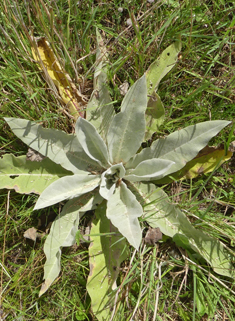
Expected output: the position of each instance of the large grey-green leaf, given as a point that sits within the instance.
(62, 233)
(159, 212)
(109, 179)
(66, 188)
(148, 170)
(91, 142)
(28, 177)
(127, 129)
(61, 148)
(123, 211)
(100, 110)
(114, 245)
(161, 66)
(180, 146)
(106, 252)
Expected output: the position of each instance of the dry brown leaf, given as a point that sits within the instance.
(31, 234)
(153, 235)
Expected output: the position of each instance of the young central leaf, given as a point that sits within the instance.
(180, 146)
(91, 142)
(109, 179)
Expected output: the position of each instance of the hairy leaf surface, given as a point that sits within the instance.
(123, 211)
(107, 186)
(114, 245)
(66, 188)
(181, 146)
(62, 233)
(28, 177)
(92, 142)
(61, 148)
(127, 129)
(148, 170)
(109, 179)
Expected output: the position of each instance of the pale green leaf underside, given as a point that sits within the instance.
(123, 211)
(61, 148)
(106, 252)
(66, 188)
(155, 115)
(98, 280)
(161, 66)
(28, 177)
(180, 146)
(172, 222)
(91, 142)
(62, 233)
(127, 129)
(148, 170)
(114, 245)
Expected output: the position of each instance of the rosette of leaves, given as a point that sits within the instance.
(103, 167)
(106, 171)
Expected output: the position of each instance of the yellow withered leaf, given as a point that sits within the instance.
(69, 94)
(207, 160)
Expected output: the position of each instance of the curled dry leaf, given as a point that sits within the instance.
(32, 234)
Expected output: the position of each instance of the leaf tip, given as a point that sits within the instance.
(7, 119)
(37, 207)
(45, 286)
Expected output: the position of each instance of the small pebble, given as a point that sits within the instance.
(129, 22)
(120, 9)
(124, 88)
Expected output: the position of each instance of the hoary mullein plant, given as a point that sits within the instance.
(107, 171)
